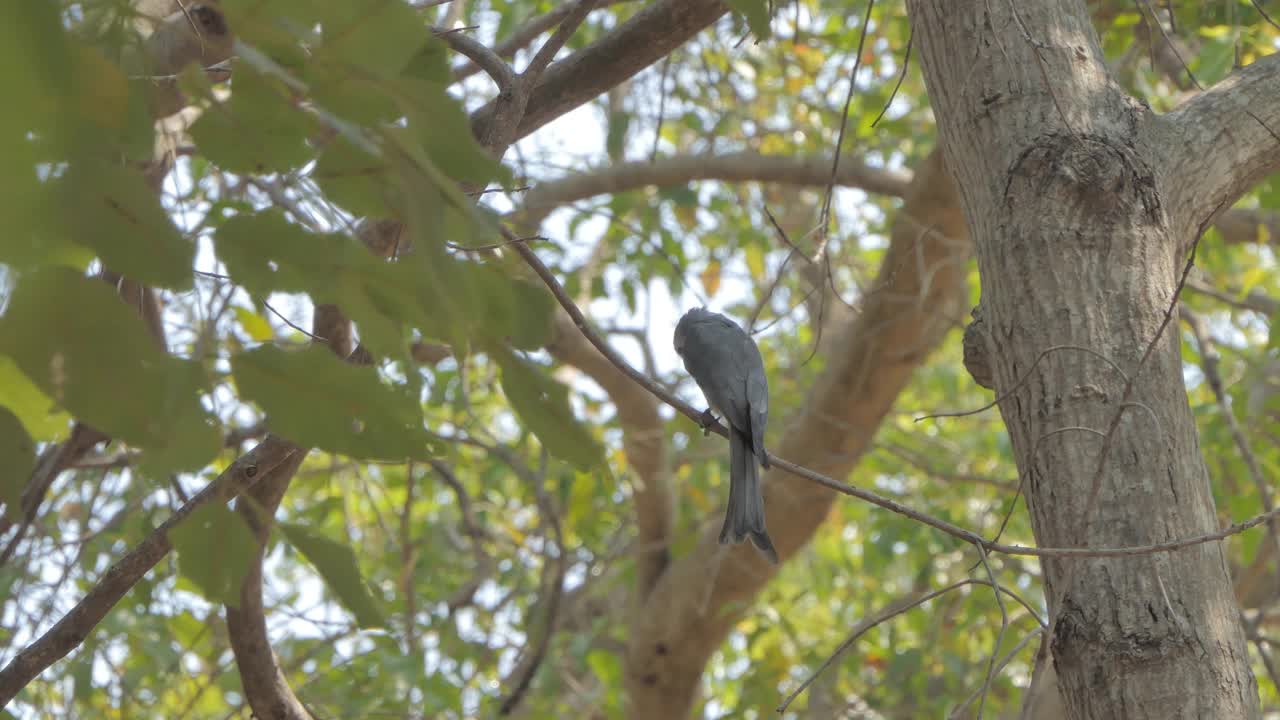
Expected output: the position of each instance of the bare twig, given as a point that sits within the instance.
(480, 54)
(825, 216)
(906, 63)
(548, 51)
(1022, 380)
(493, 246)
(1004, 626)
(1256, 6)
(1038, 632)
(523, 35)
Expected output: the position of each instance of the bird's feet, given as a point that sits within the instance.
(706, 420)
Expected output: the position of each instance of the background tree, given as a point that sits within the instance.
(400, 279)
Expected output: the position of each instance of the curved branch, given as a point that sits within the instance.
(643, 441)
(480, 54)
(732, 167)
(265, 685)
(264, 682)
(1221, 142)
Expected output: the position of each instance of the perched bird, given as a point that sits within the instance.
(726, 364)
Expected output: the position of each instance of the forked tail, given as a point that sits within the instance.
(744, 518)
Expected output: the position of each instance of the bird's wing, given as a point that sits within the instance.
(713, 356)
(757, 390)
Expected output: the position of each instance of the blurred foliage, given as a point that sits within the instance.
(410, 565)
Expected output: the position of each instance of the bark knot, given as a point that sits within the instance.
(977, 359)
(1093, 174)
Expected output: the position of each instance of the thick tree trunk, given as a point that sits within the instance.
(1067, 201)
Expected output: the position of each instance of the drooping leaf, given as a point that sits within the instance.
(265, 253)
(377, 36)
(77, 341)
(543, 406)
(512, 310)
(18, 458)
(43, 420)
(757, 15)
(109, 107)
(35, 70)
(315, 399)
(122, 221)
(444, 129)
(355, 179)
(257, 130)
(215, 548)
(336, 563)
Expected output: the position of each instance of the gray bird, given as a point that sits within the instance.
(726, 364)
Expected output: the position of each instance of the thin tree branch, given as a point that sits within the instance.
(730, 167)
(480, 54)
(543, 57)
(70, 631)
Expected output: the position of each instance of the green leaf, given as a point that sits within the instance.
(375, 36)
(512, 310)
(336, 563)
(757, 14)
(354, 179)
(681, 195)
(317, 400)
(1216, 59)
(215, 548)
(122, 220)
(444, 128)
(36, 72)
(88, 351)
(18, 458)
(265, 253)
(543, 406)
(116, 113)
(258, 130)
(39, 415)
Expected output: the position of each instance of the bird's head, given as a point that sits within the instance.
(687, 321)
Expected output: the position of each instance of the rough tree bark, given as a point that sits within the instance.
(1083, 205)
